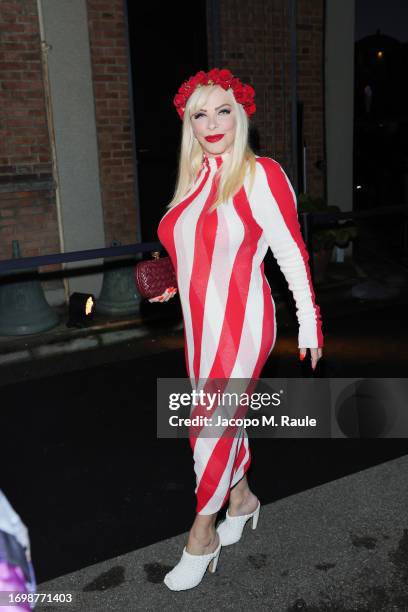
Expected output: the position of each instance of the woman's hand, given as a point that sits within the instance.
(164, 297)
(315, 355)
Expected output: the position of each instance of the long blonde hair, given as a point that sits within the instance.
(233, 170)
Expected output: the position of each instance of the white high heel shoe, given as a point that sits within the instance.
(190, 570)
(230, 530)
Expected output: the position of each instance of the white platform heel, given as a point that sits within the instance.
(190, 570)
(230, 530)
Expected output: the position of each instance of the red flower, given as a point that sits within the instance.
(250, 109)
(244, 94)
(213, 74)
(226, 75)
(178, 100)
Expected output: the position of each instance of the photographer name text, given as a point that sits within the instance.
(265, 421)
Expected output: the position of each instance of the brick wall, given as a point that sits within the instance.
(27, 195)
(310, 41)
(107, 33)
(255, 45)
(27, 199)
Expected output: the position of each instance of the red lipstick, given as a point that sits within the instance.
(214, 138)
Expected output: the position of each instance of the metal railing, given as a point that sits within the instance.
(21, 263)
(308, 221)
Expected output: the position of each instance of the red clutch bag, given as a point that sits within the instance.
(153, 276)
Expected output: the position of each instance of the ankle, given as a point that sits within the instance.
(204, 537)
(238, 498)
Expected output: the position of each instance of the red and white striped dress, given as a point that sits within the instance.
(228, 309)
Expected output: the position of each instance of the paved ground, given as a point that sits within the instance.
(338, 547)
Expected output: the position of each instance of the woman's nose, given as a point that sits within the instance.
(212, 123)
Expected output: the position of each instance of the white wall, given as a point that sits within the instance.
(73, 112)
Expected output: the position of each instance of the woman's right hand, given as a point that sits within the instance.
(164, 297)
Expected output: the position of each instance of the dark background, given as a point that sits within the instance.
(381, 131)
(160, 35)
(390, 16)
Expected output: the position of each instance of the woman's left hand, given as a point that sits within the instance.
(315, 355)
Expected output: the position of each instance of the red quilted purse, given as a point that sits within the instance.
(153, 276)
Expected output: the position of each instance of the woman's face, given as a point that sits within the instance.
(214, 125)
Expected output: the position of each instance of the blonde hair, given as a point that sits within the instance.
(233, 170)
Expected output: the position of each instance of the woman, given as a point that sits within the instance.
(229, 206)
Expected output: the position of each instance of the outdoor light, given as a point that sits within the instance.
(81, 309)
(380, 54)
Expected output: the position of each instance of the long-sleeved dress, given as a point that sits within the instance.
(228, 309)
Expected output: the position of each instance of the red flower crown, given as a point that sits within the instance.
(244, 94)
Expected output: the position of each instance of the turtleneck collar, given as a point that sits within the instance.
(214, 162)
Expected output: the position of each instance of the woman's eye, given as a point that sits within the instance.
(224, 110)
